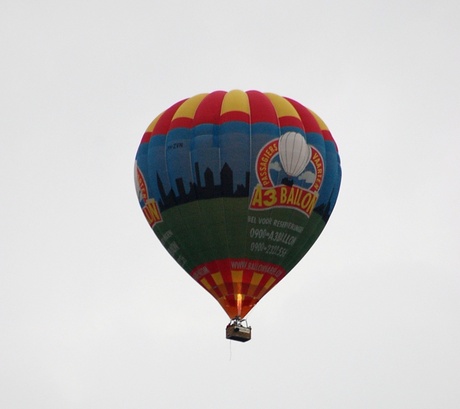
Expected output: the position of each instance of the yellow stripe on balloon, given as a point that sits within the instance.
(189, 107)
(235, 100)
(269, 283)
(255, 280)
(321, 123)
(153, 123)
(209, 287)
(217, 277)
(256, 277)
(282, 106)
(266, 287)
(237, 279)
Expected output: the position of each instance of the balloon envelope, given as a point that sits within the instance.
(234, 206)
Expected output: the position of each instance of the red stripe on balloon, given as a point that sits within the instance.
(182, 122)
(164, 122)
(208, 112)
(290, 121)
(146, 137)
(234, 116)
(308, 120)
(262, 110)
(328, 136)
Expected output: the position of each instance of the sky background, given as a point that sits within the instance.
(93, 311)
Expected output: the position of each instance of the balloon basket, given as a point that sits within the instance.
(238, 330)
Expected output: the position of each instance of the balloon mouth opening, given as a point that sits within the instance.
(239, 303)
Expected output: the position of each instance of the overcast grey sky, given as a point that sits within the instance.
(93, 311)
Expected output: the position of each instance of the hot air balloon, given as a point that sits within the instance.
(294, 153)
(237, 186)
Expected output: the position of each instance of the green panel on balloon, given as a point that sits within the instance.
(237, 186)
